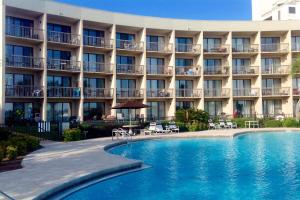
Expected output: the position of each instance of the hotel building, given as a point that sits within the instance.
(60, 61)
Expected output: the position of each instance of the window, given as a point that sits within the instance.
(243, 108)
(92, 37)
(123, 39)
(93, 110)
(270, 44)
(19, 27)
(292, 10)
(214, 108)
(25, 110)
(94, 82)
(93, 62)
(271, 83)
(155, 43)
(156, 111)
(240, 44)
(125, 64)
(296, 43)
(155, 65)
(58, 28)
(155, 84)
(240, 64)
(126, 87)
(272, 107)
(183, 44)
(19, 55)
(213, 87)
(212, 43)
(184, 105)
(18, 79)
(212, 65)
(58, 112)
(184, 62)
(241, 84)
(270, 65)
(296, 83)
(58, 55)
(184, 84)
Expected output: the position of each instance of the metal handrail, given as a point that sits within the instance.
(276, 47)
(63, 37)
(159, 70)
(188, 93)
(59, 64)
(24, 62)
(129, 69)
(216, 70)
(281, 69)
(223, 92)
(246, 92)
(272, 91)
(127, 92)
(188, 70)
(24, 32)
(245, 48)
(190, 48)
(242, 70)
(159, 47)
(129, 45)
(56, 91)
(98, 42)
(89, 92)
(153, 93)
(24, 91)
(217, 48)
(97, 67)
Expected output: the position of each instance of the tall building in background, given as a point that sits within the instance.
(275, 10)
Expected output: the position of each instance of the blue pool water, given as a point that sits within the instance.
(254, 166)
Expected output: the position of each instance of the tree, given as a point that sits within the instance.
(295, 66)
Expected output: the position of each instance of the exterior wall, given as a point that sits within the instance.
(78, 18)
(2, 58)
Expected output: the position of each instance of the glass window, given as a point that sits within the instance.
(18, 27)
(270, 64)
(271, 83)
(19, 110)
(184, 62)
(242, 84)
(211, 43)
(214, 108)
(240, 44)
(155, 84)
(156, 111)
(58, 112)
(212, 65)
(58, 28)
(296, 43)
(93, 110)
(243, 108)
(184, 105)
(18, 79)
(94, 82)
(155, 43)
(59, 81)
(272, 107)
(155, 65)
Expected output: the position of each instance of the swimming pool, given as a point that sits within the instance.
(251, 166)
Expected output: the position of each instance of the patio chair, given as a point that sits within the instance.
(222, 124)
(172, 127)
(159, 129)
(231, 124)
(120, 117)
(151, 129)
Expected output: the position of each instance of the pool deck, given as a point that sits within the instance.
(64, 164)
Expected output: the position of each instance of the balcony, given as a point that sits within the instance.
(130, 69)
(246, 92)
(282, 91)
(159, 93)
(217, 93)
(63, 65)
(24, 32)
(276, 70)
(63, 92)
(245, 49)
(188, 48)
(296, 47)
(217, 49)
(188, 93)
(159, 70)
(296, 91)
(24, 91)
(188, 71)
(63, 38)
(97, 42)
(159, 47)
(125, 93)
(275, 48)
(216, 71)
(26, 62)
(102, 93)
(97, 67)
(245, 71)
(130, 45)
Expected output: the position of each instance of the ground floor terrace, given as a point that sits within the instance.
(57, 165)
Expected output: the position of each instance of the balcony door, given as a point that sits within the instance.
(155, 65)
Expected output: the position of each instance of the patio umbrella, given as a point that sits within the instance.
(130, 105)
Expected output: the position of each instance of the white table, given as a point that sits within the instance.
(251, 124)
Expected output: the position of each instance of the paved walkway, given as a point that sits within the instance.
(60, 163)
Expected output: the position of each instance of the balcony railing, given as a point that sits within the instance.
(276, 48)
(129, 93)
(216, 70)
(296, 91)
(159, 93)
(98, 93)
(247, 48)
(218, 48)
(66, 65)
(188, 48)
(98, 42)
(24, 91)
(129, 45)
(245, 70)
(188, 71)
(282, 69)
(62, 37)
(97, 67)
(188, 93)
(58, 92)
(295, 47)
(283, 91)
(217, 93)
(129, 69)
(24, 62)
(24, 32)
(246, 92)
(159, 70)
(159, 47)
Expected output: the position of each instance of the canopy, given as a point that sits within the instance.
(130, 105)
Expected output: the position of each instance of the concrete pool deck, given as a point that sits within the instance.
(59, 164)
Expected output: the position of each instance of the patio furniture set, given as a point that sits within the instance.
(222, 124)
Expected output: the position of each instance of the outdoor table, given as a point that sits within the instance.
(253, 124)
(130, 128)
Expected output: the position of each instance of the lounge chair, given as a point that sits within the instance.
(120, 133)
(172, 127)
(231, 124)
(160, 129)
(222, 124)
(120, 117)
(151, 129)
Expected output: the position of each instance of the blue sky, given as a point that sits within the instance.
(187, 9)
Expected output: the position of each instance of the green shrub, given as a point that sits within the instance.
(11, 152)
(2, 154)
(241, 121)
(290, 123)
(4, 133)
(271, 123)
(198, 115)
(33, 143)
(193, 127)
(20, 143)
(182, 126)
(180, 115)
(72, 135)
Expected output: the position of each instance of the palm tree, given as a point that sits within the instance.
(295, 66)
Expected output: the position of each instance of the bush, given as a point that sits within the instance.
(182, 126)
(271, 123)
(290, 123)
(20, 143)
(193, 126)
(2, 154)
(11, 152)
(4, 133)
(241, 121)
(72, 135)
(33, 143)
(180, 115)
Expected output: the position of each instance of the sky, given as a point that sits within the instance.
(185, 9)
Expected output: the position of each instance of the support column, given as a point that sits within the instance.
(113, 63)
(172, 108)
(80, 59)
(144, 79)
(44, 75)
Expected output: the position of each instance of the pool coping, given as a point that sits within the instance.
(131, 164)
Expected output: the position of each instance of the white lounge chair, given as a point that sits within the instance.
(222, 124)
(159, 129)
(120, 117)
(231, 124)
(120, 133)
(172, 127)
(151, 129)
